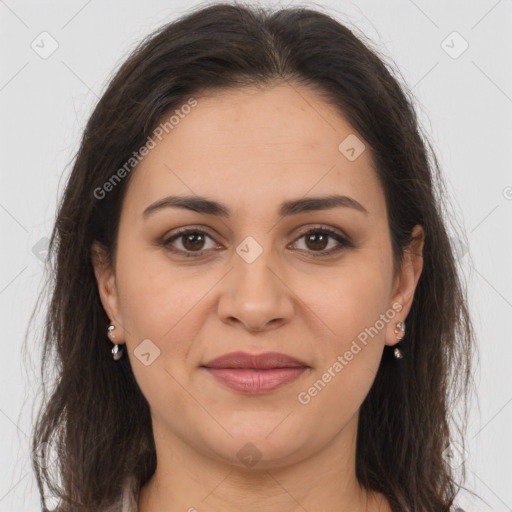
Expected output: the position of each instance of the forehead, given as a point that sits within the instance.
(257, 144)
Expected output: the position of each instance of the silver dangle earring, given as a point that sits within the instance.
(117, 349)
(400, 333)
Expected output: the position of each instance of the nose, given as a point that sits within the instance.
(255, 295)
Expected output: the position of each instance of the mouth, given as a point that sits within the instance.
(255, 373)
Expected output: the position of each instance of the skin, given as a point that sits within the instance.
(251, 149)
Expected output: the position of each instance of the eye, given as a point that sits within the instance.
(191, 241)
(316, 240)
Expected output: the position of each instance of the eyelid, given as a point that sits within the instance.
(323, 228)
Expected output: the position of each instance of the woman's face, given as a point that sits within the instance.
(251, 281)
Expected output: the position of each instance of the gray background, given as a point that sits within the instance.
(465, 104)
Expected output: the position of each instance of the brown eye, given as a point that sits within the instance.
(191, 241)
(317, 240)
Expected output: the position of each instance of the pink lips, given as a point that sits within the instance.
(255, 374)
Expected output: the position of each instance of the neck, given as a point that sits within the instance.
(186, 480)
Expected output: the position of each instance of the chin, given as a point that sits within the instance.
(261, 448)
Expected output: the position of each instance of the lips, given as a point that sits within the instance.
(255, 373)
(265, 361)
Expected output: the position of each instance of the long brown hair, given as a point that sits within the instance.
(404, 425)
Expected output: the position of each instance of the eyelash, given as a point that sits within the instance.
(345, 243)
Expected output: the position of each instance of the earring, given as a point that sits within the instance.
(117, 349)
(400, 333)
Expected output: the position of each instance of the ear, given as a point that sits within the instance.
(107, 289)
(405, 282)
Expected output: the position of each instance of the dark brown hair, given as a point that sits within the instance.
(95, 417)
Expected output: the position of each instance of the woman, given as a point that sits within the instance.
(256, 304)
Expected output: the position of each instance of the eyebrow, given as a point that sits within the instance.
(207, 206)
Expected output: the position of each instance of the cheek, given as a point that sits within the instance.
(354, 310)
(349, 356)
(158, 305)
(168, 305)
(361, 298)
(354, 297)
(155, 299)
